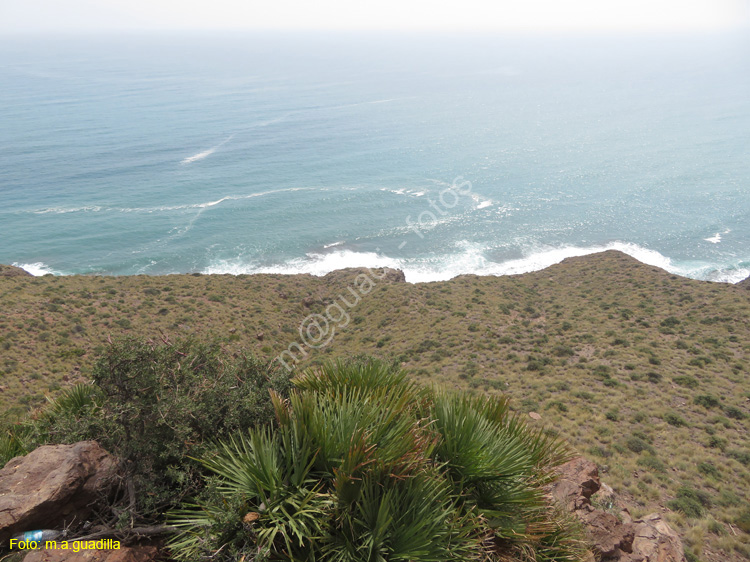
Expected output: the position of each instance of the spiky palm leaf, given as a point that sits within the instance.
(73, 401)
(367, 467)
(270, 475)
(13, 443)
(403, 520)
(376, 380)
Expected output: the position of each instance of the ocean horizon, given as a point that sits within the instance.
(439, 155)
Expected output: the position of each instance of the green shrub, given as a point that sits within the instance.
(563, 351)
(368, 466)
(154, 405)
(734, 412)
(638, 445)
(639, 417)
(537, 363)
(690, 501)
(652, 463)
(557, 404)
(686, 380)
(602, 371)
(674, 419)
(74, 415)
(15, 441)
(721, 420)
(706, 400)
(727, 498)
(743, 521)
(741, 456)
(708, 469)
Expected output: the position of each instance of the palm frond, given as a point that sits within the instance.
(365, 466)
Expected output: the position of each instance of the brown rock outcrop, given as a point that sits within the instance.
(612, 538)
(52, 486)
(655, 541)
(376, 275)
(13, 271)
(393, 275)
(577, 481)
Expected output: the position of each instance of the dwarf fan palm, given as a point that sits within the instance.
(367, 466)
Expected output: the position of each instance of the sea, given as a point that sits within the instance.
(440, 154)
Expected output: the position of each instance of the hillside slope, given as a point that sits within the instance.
(642, 371)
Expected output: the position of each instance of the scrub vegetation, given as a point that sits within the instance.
(644, 372)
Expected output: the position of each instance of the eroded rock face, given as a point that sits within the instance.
(53, 486)
(13, 271)
(125, 554)
(578, 480)
(394, 275)
(655, 541)
(612, 538)
(744, 284)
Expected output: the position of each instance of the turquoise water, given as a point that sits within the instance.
(308, 153)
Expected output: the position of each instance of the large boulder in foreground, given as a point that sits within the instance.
(53, 486)
(13, 271)
(124, 554)
(613, 538)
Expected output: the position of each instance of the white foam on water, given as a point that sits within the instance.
(401, 191)
(199, 156)
(545, 257)
(715, 239)
(64, 210)
(470, 258)
(730, 275)
(37, 269)
(206, 153)
(480, 201)
(313, 263)
(162, 208)
(204, 205)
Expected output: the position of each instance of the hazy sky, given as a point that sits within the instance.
(79, 15)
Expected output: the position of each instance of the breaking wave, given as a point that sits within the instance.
(37, 269)
(469, 258)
